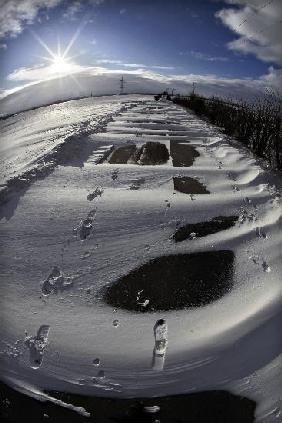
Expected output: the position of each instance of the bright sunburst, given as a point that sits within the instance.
(59, 64)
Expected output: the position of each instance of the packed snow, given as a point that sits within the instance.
(88, 226)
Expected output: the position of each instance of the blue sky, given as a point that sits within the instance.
(226, 39)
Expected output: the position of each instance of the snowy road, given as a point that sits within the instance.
(87, 225)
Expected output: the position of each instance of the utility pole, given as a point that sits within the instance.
(194, 86)
(122, 82)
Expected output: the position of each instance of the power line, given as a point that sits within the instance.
(256, 10)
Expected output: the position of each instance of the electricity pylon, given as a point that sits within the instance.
(121, 87)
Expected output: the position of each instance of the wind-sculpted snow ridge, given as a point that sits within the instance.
(213, 197)
(33, 143)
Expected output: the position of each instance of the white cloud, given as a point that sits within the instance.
(273, 80)
(132, 65)
(14, 14)
(258, 26)
(3, 46)
(95, 2)
(122, 11)
(162, 67)
(205, 84)
(42, 72)
(108, 62)
(72, 10)
(208, 57)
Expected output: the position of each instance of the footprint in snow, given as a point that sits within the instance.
(219, 165)
(167, 203)
(255, 259)
(160, 347)
(56, 282)
(114, 174)
(137, 184)
(85, 255)
(235, 188)
(247, 200)
(260, 233)
(266, 267)
(85, 227)
(36, 345)
(232, 176)
(96, 193)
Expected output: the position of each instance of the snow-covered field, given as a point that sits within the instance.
(128, 214)
(27, 138)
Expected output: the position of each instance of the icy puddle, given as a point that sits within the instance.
(188, 185)
(193, 230)
(174, 282)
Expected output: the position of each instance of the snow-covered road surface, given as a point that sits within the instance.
(232, 343)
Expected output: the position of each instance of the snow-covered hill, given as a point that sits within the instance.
(99, 81)
(75, 86)
(30, 141)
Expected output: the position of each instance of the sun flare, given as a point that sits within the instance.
(59, 64)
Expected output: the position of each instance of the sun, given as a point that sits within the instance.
(60, 64)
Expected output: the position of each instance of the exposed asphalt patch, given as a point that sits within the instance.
(217, 224)
(151, 153)
(174, 282)
(122, 154)
(199, 407)
(183, 155)
(188, 185)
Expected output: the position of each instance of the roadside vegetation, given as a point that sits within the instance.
(258, 125)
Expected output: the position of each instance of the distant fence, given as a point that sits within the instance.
(257, 125)
(186, 98)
